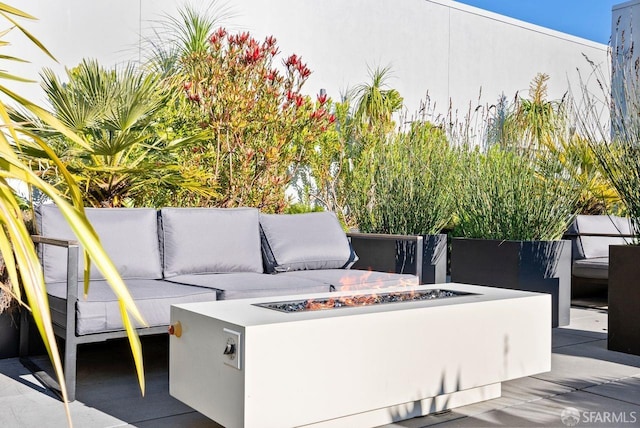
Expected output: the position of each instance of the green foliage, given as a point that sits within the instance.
(538, 124)
(26, 279)
(120, 158)
(181, 36)
(536, 121)
(615, 142)
(621, 163)
(325, 177)
(376, 102)
(334, 171)
(514, 195)
(257, 126)
(534, 176)
(299, 208)
(403, 185)
(597, 195)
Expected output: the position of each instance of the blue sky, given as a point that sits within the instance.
(590, 19)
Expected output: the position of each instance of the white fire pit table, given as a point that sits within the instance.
(245, 365)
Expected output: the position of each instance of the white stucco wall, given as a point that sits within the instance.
(447, 49)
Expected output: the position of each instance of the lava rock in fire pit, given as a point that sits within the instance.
(359, 300)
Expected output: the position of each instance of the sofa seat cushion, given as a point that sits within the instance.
(247, 285)
(304, 241)
(100, 311)
(210, 240)
(596, 268)
(128, 235)
(353, 279)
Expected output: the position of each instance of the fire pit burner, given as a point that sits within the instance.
(291, 306)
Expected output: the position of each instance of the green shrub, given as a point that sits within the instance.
(403, 185)
(615, 142)
(256, 126)
(324, 179)
(509, 195)
(120, 159)
(299, 208)
(621, 163)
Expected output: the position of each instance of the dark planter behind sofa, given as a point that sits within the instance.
(540, 266)
(422, 255)
(624, 299)
(9, 335)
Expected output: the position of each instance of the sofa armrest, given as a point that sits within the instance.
(423, 256)
(38, 239)
(383, 236)
(387, 253)
(73, 249)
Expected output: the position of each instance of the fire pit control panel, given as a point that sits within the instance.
(231, 349)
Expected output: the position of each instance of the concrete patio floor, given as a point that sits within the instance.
(604, 386)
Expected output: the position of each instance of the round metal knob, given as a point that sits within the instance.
(175, 329)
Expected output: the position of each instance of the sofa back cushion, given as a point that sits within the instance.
(210, 240)
(128, 235)
(304, 242)
(598, 246)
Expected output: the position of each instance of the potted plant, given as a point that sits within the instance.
(401, 188)
(617, 148)
(513, 207)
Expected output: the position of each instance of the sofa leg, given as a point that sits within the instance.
(41, 375)
(70, 361)
(23, 350)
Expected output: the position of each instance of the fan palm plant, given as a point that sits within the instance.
(26, 283)
(113, 111)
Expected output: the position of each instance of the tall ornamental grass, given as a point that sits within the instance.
(403, 183)
(507, 194)
(615, 137)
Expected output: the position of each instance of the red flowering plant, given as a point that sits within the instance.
(258, 126)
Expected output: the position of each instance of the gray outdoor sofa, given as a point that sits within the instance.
(591, 236)
(181, 255)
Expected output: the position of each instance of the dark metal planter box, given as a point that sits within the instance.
(541, 266)
(624, 299)
(9, 335)
(421, 255)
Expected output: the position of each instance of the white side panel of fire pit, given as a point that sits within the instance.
(198, 374)
(302, 369)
